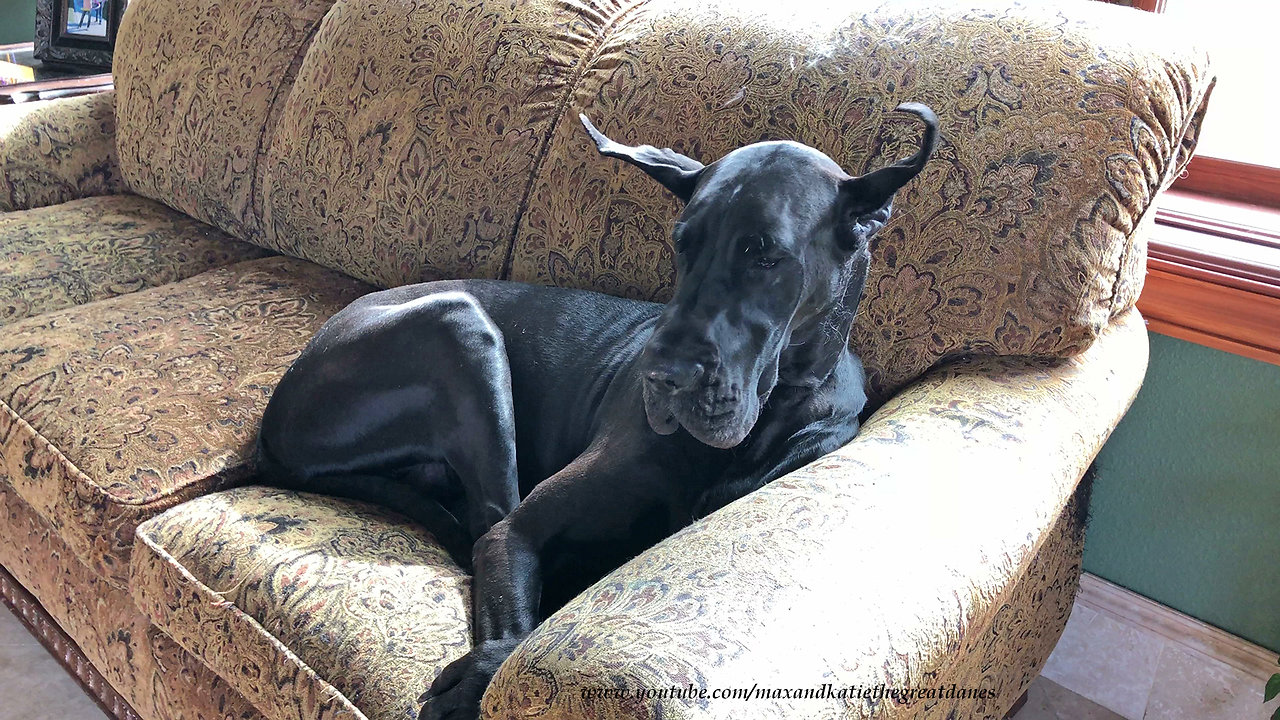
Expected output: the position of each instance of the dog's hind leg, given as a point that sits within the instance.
(400, 497)
(480, 446)
(388, 390)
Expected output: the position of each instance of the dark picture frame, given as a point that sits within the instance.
(77, 32)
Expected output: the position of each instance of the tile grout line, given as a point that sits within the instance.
(1151, 681)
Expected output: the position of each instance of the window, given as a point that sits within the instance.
(1246, 57)
(1213, 276)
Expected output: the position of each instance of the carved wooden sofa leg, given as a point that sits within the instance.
(14, 597)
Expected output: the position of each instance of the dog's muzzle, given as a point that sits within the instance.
(662, 381)
(683, 394)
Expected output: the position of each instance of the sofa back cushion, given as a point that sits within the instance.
(412, 132)
(198, 86)
(1018, 238)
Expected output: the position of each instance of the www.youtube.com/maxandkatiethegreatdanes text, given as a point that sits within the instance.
(825, 691)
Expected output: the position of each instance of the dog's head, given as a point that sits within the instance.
(767, 243)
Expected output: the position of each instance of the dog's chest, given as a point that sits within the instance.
(570, 566)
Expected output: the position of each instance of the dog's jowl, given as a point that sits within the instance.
(545, 436)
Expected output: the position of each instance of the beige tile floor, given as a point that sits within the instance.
(1101, 670)
(33, 686)
(1106, 669)
(1047, 700)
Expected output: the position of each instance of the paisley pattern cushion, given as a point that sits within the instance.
(98, 247)
(60, 150)
(198, 90)
(424, 139)
(114, 411)
(283, 593)
(895, 560)
(1017, 239)
(156, 676)
(276, 590)
(413, 131)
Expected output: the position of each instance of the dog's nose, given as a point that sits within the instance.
(674, 375)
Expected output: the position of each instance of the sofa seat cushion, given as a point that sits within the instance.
(63, 255)
(114, 411)
(275, 590)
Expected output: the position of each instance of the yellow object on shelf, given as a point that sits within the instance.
(13, 73)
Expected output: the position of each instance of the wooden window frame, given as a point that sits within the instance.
(1213, 270)
(1231, 180)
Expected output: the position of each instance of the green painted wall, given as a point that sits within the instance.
(1186, 508)
(17, 21)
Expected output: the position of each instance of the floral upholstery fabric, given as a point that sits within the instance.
(1017, 239)
(98, 247)
(413, 131)
(270, 587)
(426, 139)
(198, 91)
(275, 590)
(55, 151)
(396, 608)
(895, 560)
(115, 411)
(1009, 653)
(159, 679)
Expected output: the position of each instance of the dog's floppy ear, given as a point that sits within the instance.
(677, 173)
(866, 201)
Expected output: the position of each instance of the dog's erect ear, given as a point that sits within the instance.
(867, 200)
(677, 173)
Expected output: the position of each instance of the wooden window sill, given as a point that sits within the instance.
(1213, 275)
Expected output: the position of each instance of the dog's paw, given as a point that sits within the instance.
(456, 692)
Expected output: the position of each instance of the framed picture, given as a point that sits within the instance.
(77, 32)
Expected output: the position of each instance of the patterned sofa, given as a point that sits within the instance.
(167, 249)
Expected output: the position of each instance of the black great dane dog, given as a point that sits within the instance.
(545, 435)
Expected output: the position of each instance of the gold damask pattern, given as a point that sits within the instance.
(882, 563)
(60, 150)
(271, 588)
(427, 139)
(99, 247)
(276, 590)
(115, 411)
(156, 676)
(1031, 617)
(1017, 239)
(199, 89)
(413, 131)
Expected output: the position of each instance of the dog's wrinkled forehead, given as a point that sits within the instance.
(779, 166)
(767, 182)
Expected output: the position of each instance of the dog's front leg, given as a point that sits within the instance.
(506, 587)
(599, 492)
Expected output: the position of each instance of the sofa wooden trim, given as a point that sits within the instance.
(60, 645)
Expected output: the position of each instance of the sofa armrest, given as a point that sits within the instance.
(58, 150)
(873, 565)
